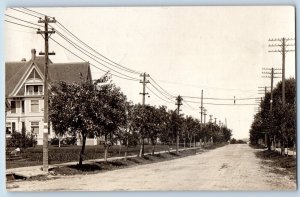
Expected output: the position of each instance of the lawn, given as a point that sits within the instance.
(279, 163)
(34, 156)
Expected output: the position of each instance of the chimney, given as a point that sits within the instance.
(23, 59)
(33, 52)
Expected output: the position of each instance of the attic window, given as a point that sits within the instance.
(34, 89)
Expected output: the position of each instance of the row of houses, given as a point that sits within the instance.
(24, 90)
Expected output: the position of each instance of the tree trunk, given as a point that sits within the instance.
(105, 152)
(168, 148)
(153, 149)
(82, 150)
(268, 142)
(142, 148)
(190, 143)
(194, 141)
(282, 147)
(274, 143)
(125, 157)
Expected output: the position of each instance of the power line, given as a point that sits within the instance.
(21, 24)
(157, 95)
(24, 12)
(170, 95)
(227, 104)
(79, 40)
(83, 43)
(35, 12)
(161, 92)
(132, 79)
(23, 20)
(211, 98)
(98, 61)
(77, 46)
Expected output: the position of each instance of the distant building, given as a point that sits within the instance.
(24, 90)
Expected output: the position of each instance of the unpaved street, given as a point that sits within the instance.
(232, 167)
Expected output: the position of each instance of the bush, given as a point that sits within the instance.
(21, 140)
(70, 140)
(54, 141)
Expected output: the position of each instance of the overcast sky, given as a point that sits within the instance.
(185, 49)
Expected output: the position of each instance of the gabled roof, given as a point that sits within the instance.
(68, 72)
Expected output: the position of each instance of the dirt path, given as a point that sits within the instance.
(233, 167)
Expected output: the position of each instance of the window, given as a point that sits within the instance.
(13, 126)
(13, 106)
(23, 106)
(34, 106)
(35, 128)
(23, 127)
(34, 89)
(8, 128)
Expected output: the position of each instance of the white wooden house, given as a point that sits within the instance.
(24, 89)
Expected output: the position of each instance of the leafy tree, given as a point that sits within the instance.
(108, 114)
(280, 123)
(70, 110)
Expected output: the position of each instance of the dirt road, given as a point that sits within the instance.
(233, 167)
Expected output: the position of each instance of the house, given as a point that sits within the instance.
(24, 89)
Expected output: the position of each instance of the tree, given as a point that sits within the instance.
(72, 111)
(280, 123)
(138, 120)
(191, 126)
(156, 124)
(108, 114)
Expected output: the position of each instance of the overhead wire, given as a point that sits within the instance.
(24, 12)
(157, 95)
(79, 47)
(97, 60)
(170, 95)
(21, 24)
(132, 79)
(80, 41)
(23, 20)
(86, 45)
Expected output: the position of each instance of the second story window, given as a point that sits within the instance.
(34, 89)
(34, 106)
(23, 106)
(13, 107)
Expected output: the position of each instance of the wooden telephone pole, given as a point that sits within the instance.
(269, 73)
(46, 34)
(283, 44)
(144, 81)
(178, 103)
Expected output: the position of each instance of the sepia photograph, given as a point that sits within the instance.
(158, 98)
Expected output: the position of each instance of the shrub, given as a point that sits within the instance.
(70, 140)
(21, 140)
(54, 141)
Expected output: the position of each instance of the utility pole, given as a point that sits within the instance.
(46, 34)
(270, 74)
(201, 107)
(204, 113)
(283, 44)
(178, 103)
(144, 81)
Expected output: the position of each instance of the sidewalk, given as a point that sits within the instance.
(32, 171)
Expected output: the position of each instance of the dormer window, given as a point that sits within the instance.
(34, 90)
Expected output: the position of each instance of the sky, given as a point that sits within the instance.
(220, 50)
